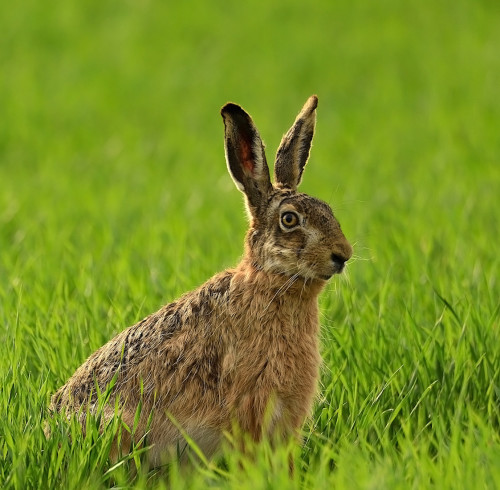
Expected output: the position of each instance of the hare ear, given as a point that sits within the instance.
(293, 151)
(245, 157)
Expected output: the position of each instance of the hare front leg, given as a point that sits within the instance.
(264, 415)
(251, 415)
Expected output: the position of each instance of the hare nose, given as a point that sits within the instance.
(339, 259)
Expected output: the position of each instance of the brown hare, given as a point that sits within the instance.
(241, 351)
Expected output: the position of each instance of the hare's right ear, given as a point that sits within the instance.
(245, 157)
(293, 151)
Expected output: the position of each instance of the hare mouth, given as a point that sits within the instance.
(327, 277)
(338, 268)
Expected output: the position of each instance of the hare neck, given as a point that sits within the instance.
(263, 282)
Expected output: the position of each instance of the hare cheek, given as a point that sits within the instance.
(276, 259)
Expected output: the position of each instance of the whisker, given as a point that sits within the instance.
(285, 287)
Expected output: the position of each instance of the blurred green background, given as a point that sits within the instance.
(114, 195)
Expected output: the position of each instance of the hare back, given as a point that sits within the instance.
(165, 342)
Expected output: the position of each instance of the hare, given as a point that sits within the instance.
(241, 351)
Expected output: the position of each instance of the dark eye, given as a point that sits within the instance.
(289, 219)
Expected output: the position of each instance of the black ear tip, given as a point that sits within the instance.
(231, 109)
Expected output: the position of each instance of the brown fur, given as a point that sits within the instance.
(241, 350)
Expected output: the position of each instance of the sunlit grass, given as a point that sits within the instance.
(115, 199)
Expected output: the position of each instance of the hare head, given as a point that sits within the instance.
(290, 233)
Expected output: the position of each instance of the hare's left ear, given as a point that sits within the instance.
(293, 151)
(245, 157)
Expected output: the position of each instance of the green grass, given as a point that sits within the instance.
(115, 199)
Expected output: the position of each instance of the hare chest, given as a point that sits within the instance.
(291, 372)
(277, 373)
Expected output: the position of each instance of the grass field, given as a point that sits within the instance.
(115, 199)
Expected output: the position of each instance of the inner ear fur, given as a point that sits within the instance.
(293, 152)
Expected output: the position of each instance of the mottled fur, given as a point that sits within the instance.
(241, 350)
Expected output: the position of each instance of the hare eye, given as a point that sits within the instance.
(289, 219)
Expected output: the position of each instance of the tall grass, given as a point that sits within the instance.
(114, 199)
